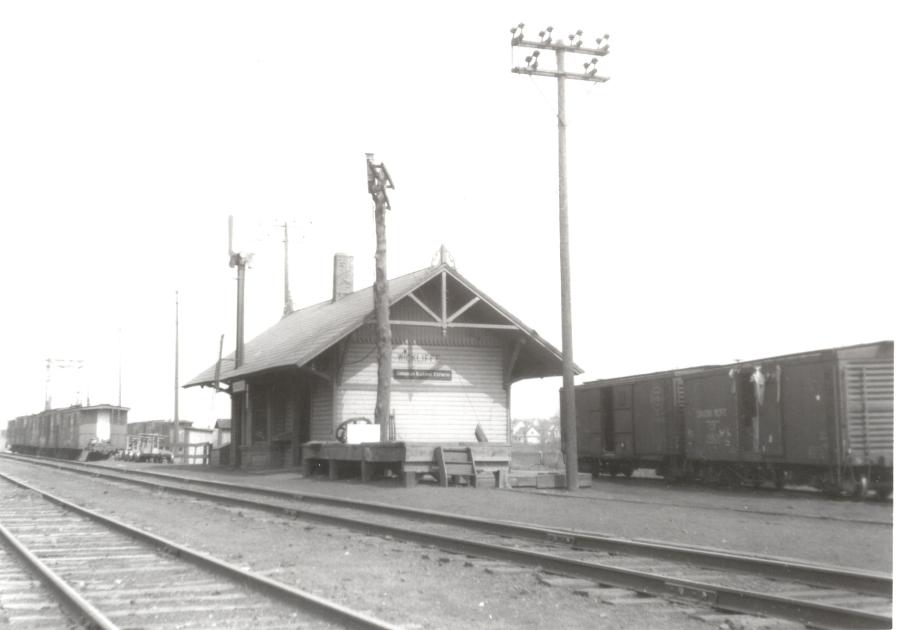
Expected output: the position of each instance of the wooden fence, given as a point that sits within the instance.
(194, 454)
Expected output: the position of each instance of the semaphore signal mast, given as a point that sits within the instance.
(238, 260)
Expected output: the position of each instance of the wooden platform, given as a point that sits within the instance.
(408, 460)
(546, 479)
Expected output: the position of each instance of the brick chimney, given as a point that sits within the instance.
(342, 276)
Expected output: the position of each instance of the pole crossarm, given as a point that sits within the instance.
(66, 363)
(557, 75)
(558, 45)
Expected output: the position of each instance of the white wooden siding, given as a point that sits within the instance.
(322, 424)
(432, 410)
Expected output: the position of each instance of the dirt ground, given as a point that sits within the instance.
(417, 587)
(785, 524)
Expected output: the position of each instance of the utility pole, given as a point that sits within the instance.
(119, 367)
(174, 441)
(77, 364)
(560, 48)
(378, 181)
(287, 299)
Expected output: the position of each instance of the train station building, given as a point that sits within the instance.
(455, 355)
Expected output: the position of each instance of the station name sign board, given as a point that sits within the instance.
(422, 375)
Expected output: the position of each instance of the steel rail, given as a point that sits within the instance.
(90, 616)
(648, 482)
(731, 599)
(805, 492)
(324, 608)
(871, 583)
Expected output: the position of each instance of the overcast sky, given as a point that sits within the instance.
(731, 187)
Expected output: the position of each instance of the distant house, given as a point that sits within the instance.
(518, 429)
(531, 436)
(526, 432)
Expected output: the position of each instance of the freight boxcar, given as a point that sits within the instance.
(822, 418)
(628, 423)
(92, 431)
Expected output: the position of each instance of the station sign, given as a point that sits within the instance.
(422, 375)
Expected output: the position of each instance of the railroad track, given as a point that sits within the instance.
(709, 507)
(106, 574)
(24, 601)
(810, 594)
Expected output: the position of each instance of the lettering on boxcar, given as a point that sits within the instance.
(657, 402)
(709, 414)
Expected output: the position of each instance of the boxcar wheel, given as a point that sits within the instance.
(862, 488)
(854, 488)
(780, 480)
(755, 478)
(729, 478)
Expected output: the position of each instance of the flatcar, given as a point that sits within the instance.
(823, 418)
(92, 432)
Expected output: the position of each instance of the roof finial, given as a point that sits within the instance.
(443, 257)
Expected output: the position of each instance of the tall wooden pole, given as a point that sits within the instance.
(546, 42)
(378, 182)
(384, 333)
(119, 367)
(241, 292)
(174, 441)
(287, 298)
(47, 402)
(570, 443)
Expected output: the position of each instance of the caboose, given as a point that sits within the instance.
(823, 418)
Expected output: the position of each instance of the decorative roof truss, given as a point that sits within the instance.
(445, 303)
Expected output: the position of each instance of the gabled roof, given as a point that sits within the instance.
(304, 334)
